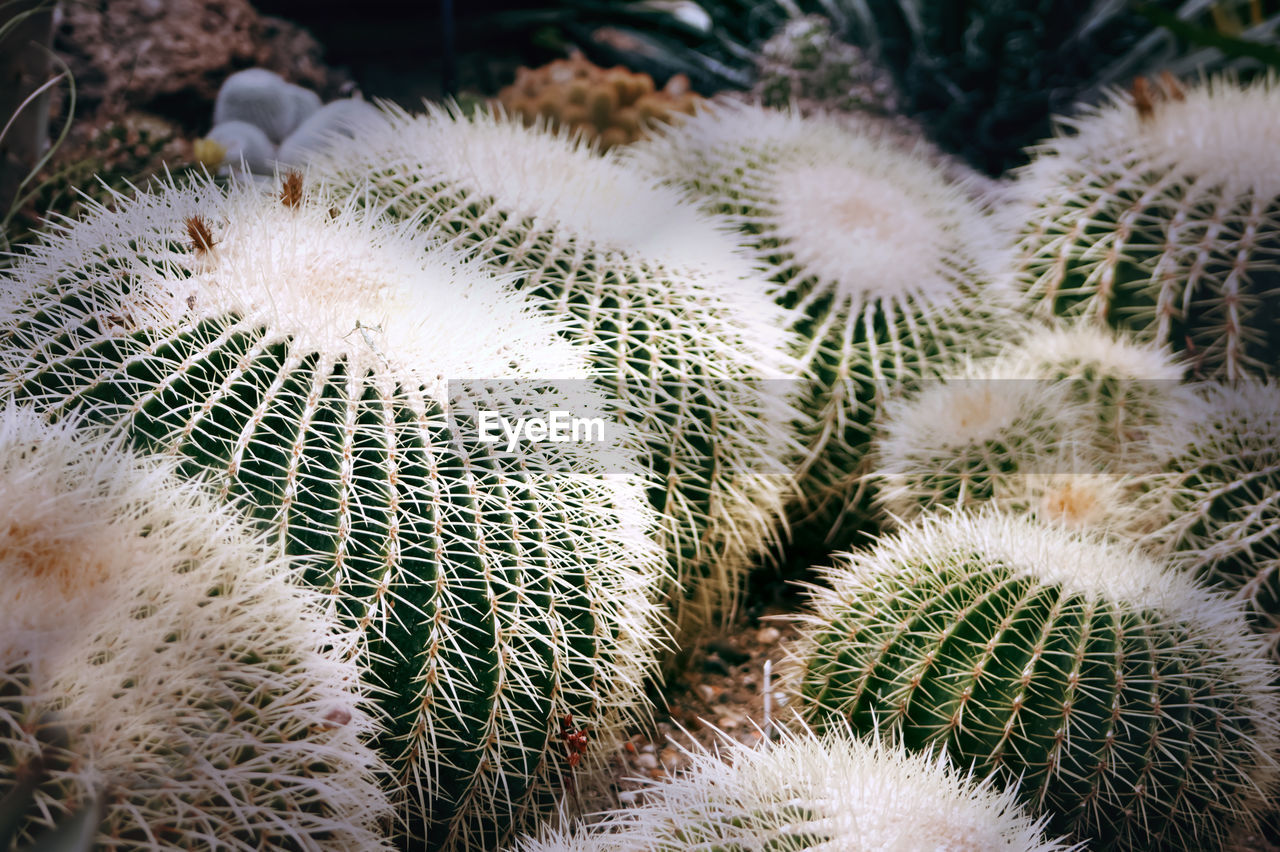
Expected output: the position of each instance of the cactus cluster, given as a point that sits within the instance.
(296, 350)
(612, 106)
(1229, 481)
(882, 264)
(1134, 708)
(157, 662)
(680, 331)
(1159, 213)
(807, 792)
(1073, 424)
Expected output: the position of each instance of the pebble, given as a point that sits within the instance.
(647, 760)
(707, 692)
(768, 635)
(629, 797)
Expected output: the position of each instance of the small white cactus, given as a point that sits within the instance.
(197, 691)
(681, 331)
(1159, 212)
(266, 100)
(809, 792)
(881, 261)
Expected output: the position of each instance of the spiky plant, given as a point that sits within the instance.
(1135, 707)
(810, 791)
(880, 261)
(299, 352)
(1159, 213)
(1230, 532)
(680, 331)
(193, 689)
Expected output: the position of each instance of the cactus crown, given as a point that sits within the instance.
(198, 689)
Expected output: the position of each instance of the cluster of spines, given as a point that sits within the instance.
(613, 106)
(295, 350)
(162, 680)
(1133, 706)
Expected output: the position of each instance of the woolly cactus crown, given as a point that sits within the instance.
(1159, 212)
(193, 681)
(299, 350)
(680, 330)
(808, 791)
(1135, 707)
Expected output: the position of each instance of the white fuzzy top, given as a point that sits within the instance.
(817, 793)
(869, 219)
(1220, 133)
(196, 683)
(339, 280)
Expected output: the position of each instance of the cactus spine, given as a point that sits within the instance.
(1135, 707)
(811, 791)
(1160, 214)
(681, 333)
(1230, 479)
(192, 686)
(298, 352)
(879, 261)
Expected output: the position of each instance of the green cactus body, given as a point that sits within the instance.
(297, 354)
(880, 262)
(1160, 214)
(160, 675)
(1135, 707)
(1230, 479)
(807, 792)
(680, 332)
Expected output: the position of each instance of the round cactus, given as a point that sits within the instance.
(299, 351)
(194, 688)
(266, 100)
(880, 261)
(1230, 534)
(1136, 708)
(238, 148)
(681, 332)
(811, 792)
(1159, 213)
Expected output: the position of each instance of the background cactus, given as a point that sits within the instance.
(297, 351)
(810, 792)
(1159, 213)
(614, 106)
(1135, 707)
(681, 333)
(159, 673)
(880, 261)
(1229, 532)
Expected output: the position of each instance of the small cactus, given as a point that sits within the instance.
(298, 350)
(1159, 213)
(1135, 708)
(159, 670)
(611, 106)
(266, 100)
(806, 64)
(881, 262)
(681, 332)
(808, 792)
(1229, 533)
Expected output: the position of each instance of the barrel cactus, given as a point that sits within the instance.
(810, 791)
(1134, 707)
(298, 351)
(682, 333)
(1230, 533)
(155, 659)
(1159, 213)
(881, 262)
